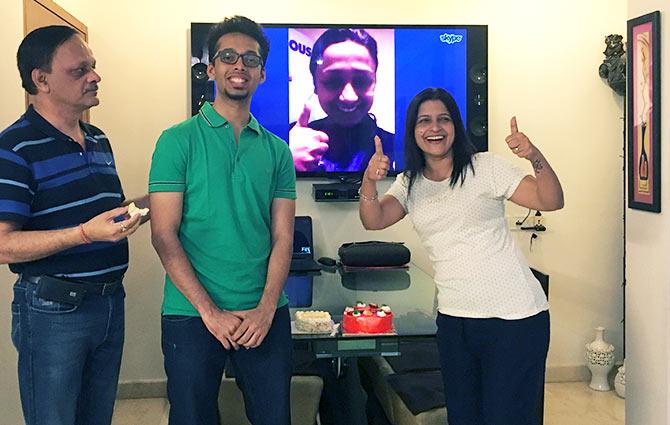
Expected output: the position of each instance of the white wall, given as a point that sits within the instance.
(11, 107)
(543, 61)
(648, 277)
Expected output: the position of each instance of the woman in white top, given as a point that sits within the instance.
(493, 320)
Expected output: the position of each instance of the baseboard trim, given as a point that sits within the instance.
(142, 389)
(158, 388)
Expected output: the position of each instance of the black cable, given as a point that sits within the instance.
(520, 222)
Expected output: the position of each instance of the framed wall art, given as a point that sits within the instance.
(644, 113)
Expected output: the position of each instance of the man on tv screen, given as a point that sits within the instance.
(343, 64)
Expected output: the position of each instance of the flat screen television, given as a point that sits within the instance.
(338, 97)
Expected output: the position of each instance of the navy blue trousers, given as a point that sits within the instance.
(493, 369)
(194, 362)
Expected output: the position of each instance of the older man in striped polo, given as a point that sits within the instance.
(63, 230)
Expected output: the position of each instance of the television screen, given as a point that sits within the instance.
(330, 89)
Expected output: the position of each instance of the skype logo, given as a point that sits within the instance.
(451, 38)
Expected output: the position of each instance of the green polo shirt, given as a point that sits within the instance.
(228, 191)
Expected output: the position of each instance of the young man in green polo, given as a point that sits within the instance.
(223, 204)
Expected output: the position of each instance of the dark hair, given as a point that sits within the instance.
(339, 35)
(462, 148)
(242, 25)
(37, 50)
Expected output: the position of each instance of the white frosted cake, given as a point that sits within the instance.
(311, 321)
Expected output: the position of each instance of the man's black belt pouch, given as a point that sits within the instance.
(61, 291)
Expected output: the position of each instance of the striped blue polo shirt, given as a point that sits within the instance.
(48, 182)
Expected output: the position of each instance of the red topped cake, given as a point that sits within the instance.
(367, 319)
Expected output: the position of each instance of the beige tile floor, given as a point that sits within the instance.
(572, 403)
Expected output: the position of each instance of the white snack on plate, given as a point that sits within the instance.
(313, 321)
(133, 210)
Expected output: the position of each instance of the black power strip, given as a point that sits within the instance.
(536, 228)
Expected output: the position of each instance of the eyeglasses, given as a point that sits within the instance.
(229, 56)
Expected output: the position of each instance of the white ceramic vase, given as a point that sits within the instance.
(599, 360)
(620, 381)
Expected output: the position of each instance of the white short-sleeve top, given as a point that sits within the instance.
(479, 271)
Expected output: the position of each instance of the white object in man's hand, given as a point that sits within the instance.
(133, 210)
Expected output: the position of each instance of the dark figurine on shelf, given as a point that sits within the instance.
(614, 65)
